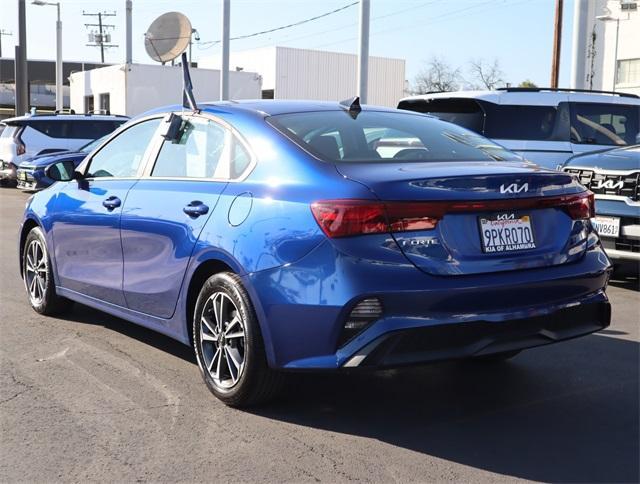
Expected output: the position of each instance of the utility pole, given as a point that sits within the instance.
(363, 51)
(100, 39)
(21, 75)
(3, 32)
(557, 39)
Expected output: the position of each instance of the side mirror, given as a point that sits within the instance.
(62, 171)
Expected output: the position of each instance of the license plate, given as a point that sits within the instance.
(607, 226)
(506, 232)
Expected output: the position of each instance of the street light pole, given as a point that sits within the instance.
(363, 51)
(615, 56)
(59, 95)
(607, 18)
(224, 70)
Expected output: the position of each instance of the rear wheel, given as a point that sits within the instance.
(38, 276)
(229, 346)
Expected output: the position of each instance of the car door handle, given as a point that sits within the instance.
(111, 203)
(195, 209)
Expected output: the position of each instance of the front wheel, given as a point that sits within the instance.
(38, 276)
(229, 346)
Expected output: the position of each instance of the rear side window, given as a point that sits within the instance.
(74, 129)
(197, 154)
(52, 128)
(515, 122)
(604, 124)
(372, 136)
(92, 129)
(463, 112)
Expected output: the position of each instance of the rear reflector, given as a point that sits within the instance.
(344, 218)
(362, 315)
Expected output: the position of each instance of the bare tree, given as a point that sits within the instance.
(437, 76)
(486, 75)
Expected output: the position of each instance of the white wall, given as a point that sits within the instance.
(137, 88)
(597, 56)
(320, 75)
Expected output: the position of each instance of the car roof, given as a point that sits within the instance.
(63, 117)
(533, 96)
(267, 107)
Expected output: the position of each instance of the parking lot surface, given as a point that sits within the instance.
(93, 397)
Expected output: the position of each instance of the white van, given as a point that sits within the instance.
(24, 137)
(546, 126)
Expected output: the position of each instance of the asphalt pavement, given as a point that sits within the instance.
(93, 397)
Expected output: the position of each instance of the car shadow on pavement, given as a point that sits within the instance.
(566, 412)
(86, 315)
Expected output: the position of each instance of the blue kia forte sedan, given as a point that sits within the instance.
(276, 236)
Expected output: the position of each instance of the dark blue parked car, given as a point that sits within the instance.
(278, 235)
(31, 174)
(614, 177)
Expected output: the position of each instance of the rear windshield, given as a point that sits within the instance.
(74, 129)
(337, 136)
(461, 111)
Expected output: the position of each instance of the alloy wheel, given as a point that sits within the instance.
(36, 271)
(222, 340)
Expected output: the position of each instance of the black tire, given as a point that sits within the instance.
(497, 357)
(254, 382)
(43, 297)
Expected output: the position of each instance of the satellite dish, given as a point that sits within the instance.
(168, 36)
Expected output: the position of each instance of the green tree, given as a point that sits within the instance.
(527, 83)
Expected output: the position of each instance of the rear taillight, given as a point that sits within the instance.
(344, 218)
(581, 206)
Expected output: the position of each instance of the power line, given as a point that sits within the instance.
(295, 24)
(353, 24)
(431, 20)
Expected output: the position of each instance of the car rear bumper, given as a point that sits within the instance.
(303, 308)
(482, 337)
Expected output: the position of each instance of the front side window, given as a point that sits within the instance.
(121, 157)
(604, 124)
(373, 136)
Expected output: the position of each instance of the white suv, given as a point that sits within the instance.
(546, 126)
(24, 137)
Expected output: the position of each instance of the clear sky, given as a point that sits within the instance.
(516, 32)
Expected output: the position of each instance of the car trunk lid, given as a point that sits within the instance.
(489, 216)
